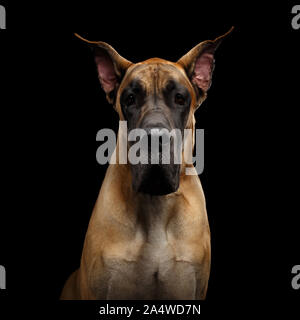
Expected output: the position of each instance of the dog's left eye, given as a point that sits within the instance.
(130, 100)
(179, 99)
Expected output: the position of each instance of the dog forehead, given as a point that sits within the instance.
(155, 70)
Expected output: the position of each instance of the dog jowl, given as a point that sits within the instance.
(157, 96)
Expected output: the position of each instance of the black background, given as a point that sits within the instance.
(52, 107)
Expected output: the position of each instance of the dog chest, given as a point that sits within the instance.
(161, 256)
(154, 273)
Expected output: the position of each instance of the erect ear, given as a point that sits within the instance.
(199, 62)
(111, 66)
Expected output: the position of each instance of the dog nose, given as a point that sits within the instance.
(158, 137)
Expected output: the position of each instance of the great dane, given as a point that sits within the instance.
(149, 236)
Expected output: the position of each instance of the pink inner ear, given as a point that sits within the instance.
(106, 72)
(203, 71)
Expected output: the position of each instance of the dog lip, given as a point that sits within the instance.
(155, 191)
(157, 181)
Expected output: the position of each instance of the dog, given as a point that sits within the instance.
(149, 236)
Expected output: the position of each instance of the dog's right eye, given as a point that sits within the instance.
(130, 100)
(179, 99)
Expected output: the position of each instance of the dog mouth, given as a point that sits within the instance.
(156, 180)
(155, 170)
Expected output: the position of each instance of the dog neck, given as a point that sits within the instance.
(126, 206)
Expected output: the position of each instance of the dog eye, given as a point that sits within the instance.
(130, 100)
(179, 99)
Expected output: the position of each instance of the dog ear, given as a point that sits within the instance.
(111, 66)
(199, 62)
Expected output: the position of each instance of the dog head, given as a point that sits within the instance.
(157, 96)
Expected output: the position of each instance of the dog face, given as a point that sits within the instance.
(157, 96)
